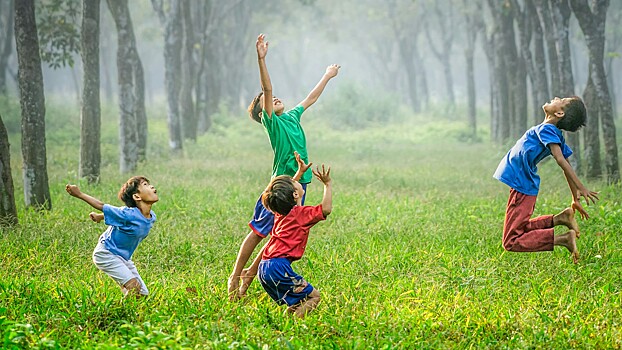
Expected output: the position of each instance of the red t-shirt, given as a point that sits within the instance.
(290, 233)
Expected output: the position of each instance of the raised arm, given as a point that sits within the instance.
(74, 191)
(264, 77)
(331, 72)
(327, 200)
(576, 186)
(302, 167)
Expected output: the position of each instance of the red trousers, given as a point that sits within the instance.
(521, 233)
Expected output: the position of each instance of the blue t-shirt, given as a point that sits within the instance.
(127, 227)
(518, 169)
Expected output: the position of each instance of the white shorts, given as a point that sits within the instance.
(119, 269)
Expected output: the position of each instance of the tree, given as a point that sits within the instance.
(127, 78)
(186, 103)
(443, 54)
(8, 211)
(90, 118)
(592, 22)
(473, 26)
(32, 101)
(6, 38)
(171, 21)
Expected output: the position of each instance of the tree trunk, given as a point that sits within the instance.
(6, 39)
(8, 211)
(32, 101)
(592, 135)
(560, 11)
(171, 22)
(443, 55)
(90, 121)
(128, 137)
(544, 16)
(139, 104)
(539, 81)
(186, 103)
(592, 24)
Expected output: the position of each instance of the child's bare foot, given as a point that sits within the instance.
(247, 278)
(566, 218)
(232, 287)
(569, 240)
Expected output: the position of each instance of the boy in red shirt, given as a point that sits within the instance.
(292, 222)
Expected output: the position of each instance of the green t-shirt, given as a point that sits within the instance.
(286, 136)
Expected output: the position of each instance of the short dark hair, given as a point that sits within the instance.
(575, 115)
(278, 197)
(129, 188)
(254, 109)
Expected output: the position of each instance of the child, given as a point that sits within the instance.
(127, 226)
(518, 169)
(286, 137)
(292, 223)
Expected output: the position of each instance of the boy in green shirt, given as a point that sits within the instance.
(286, 137)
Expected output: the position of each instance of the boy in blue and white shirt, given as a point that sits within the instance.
(127, 227)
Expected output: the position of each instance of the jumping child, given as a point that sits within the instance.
(518, 169)
(286, 137)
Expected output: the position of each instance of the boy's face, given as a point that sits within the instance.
(299, 192)
(277, 105)
(556, 106)
(147, 193)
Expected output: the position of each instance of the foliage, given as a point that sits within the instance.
(409, 258)
(58, 28)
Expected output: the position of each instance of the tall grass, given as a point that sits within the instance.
(411, 256)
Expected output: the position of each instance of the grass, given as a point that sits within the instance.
(410, 258)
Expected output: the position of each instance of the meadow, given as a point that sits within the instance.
(411, 256)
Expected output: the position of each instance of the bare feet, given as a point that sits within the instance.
(232, 287)
(569, 240)
(566, 218)
(247, 278)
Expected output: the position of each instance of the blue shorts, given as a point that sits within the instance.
(263, 219)
(281, 282)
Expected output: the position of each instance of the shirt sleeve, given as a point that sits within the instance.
(548, 134)
(114, 216)
(296, 112)
(311, 215)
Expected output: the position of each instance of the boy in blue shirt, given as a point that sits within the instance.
(127, 227)
(518, 169)
(286, 137)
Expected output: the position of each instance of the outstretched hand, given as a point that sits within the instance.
(302, 167)
(576, 206)
(332, 70)
(262, 46)
(97, 217)
(73, 190)
(588, 195)
(322, 175)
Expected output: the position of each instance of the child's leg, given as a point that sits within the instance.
(246, 249)
(118, 269)
(249, 274)
(520, 232)
(307, 305)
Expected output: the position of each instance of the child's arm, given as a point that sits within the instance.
(576, 187)
(74, 191)
(331, 72)
(264, 77)
(327, 200)
(302, 167)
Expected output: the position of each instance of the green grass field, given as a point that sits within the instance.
(411, 256)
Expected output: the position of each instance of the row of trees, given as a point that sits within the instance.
(526, 45)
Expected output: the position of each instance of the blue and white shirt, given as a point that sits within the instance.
(518, 169)
(127, 227)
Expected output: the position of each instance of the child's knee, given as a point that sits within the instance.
(315, 294)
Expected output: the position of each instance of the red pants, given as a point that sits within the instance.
(521, 233)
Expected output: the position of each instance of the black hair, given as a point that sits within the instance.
(575, 115)
(129, 188)
(254, 109)
(279, 195)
